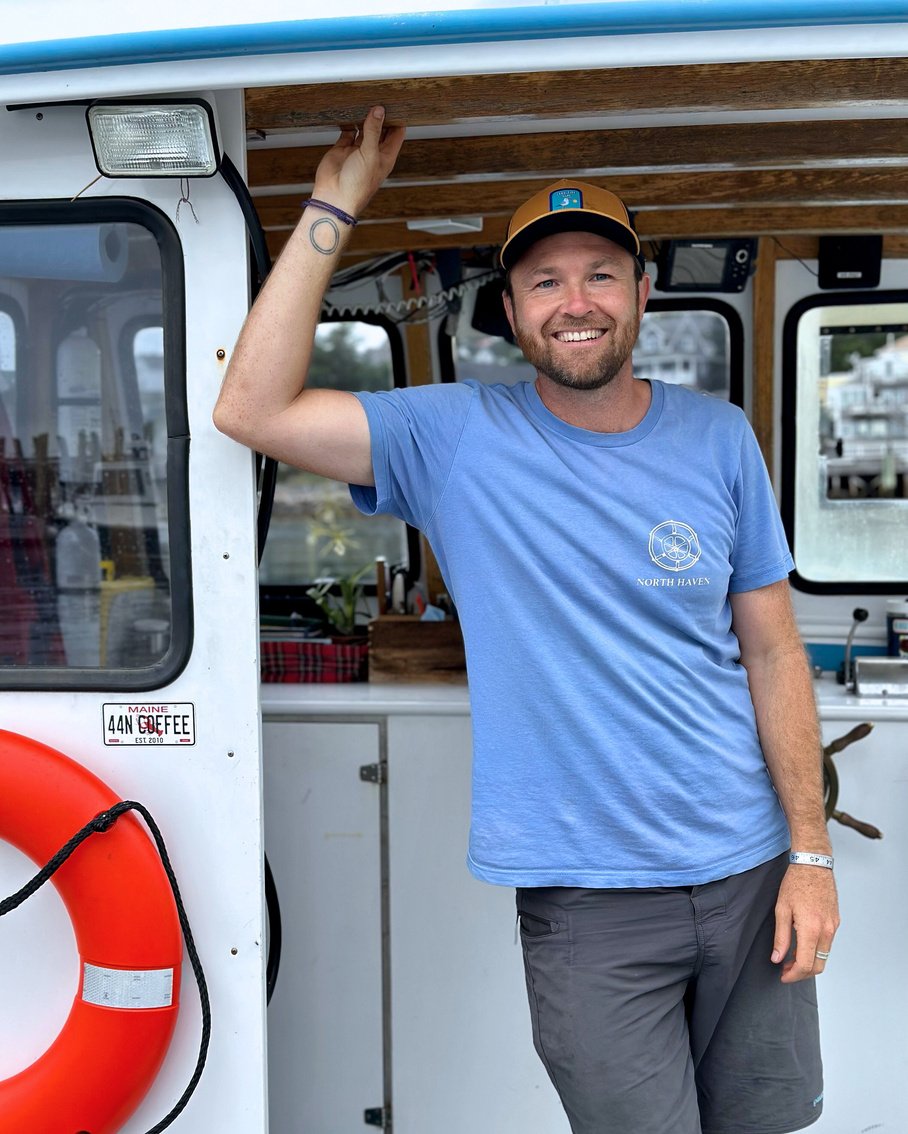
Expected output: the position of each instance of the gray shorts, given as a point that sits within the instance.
(658, 1011)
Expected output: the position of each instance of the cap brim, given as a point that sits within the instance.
(568, 220)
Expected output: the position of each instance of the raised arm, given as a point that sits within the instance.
(782, 695)
(263, 403)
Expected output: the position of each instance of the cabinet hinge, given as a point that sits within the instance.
(374, 774)
(378, 1116)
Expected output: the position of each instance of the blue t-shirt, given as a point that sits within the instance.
(614, 736)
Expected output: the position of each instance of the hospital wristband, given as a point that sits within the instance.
(333, 210)
(807, 858)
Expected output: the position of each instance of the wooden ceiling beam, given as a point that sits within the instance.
(730, 189)
(769, 220)
(652, 224)
(772, 85)
(747, 145)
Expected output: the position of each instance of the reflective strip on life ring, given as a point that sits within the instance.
(127, 931)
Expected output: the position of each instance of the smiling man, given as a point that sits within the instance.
(646, 760)
(575, 286)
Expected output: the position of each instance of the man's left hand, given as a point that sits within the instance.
(807, 914)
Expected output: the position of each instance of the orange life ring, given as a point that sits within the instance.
(127, 931)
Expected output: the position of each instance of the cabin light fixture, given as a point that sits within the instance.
(441, 225)
(163, 138)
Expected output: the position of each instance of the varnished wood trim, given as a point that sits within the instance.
(795, 247)
(652, 225)
(768, 85)
(764, 300)
(675, 190)
(769, 220)
(742, 145)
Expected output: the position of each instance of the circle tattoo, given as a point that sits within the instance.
(324, 242)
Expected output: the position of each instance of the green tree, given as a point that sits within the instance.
(862, 343)
(342, 361)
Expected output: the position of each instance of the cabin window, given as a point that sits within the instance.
(316, 532)
(845, 441)
(94, 548)
(696, 343)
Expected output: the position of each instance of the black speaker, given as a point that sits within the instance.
(488, 313)
(849, 261)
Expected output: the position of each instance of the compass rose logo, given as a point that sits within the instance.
(674, 546)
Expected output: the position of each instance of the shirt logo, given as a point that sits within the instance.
(565, 199)
(674, 546)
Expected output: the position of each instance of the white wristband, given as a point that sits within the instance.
(807, 858)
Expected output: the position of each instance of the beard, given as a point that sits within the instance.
(583, 373)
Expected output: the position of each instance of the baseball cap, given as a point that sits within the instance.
(569, 206)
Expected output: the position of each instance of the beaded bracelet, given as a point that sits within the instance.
(333, 210)
(807, 858)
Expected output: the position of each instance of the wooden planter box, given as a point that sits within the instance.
(403, 648)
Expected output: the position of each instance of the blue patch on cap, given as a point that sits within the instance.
(565, 199)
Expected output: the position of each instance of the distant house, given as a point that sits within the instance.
(686, 348)
(865, 421)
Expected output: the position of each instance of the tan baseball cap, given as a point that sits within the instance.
(569, 206)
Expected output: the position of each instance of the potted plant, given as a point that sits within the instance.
(334, 647)
(340, 598)
(341, 601)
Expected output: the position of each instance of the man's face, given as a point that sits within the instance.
(576, 308)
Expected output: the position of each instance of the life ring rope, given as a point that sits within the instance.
(102, 822)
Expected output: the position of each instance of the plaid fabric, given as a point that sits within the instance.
(304, 662)
(29, 631)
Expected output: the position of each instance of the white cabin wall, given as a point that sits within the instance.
(205, 798)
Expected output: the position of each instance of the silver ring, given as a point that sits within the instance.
(823, 956)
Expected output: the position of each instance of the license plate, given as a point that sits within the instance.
(149, 723)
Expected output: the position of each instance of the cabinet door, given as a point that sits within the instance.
(322, 840)
(462, 1048)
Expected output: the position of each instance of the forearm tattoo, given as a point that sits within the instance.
(324, 235)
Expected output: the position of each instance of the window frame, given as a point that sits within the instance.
(44, 213)
(789, 409)
(735, 326)
(277, 599)
(12, 308)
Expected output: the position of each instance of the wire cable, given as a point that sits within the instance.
(434, 303)
(265, 468)
(788, 252)
(257, 238)
(102, 822)
(275, 932)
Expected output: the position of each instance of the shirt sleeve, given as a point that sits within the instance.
(415, 434)
(761, 555)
